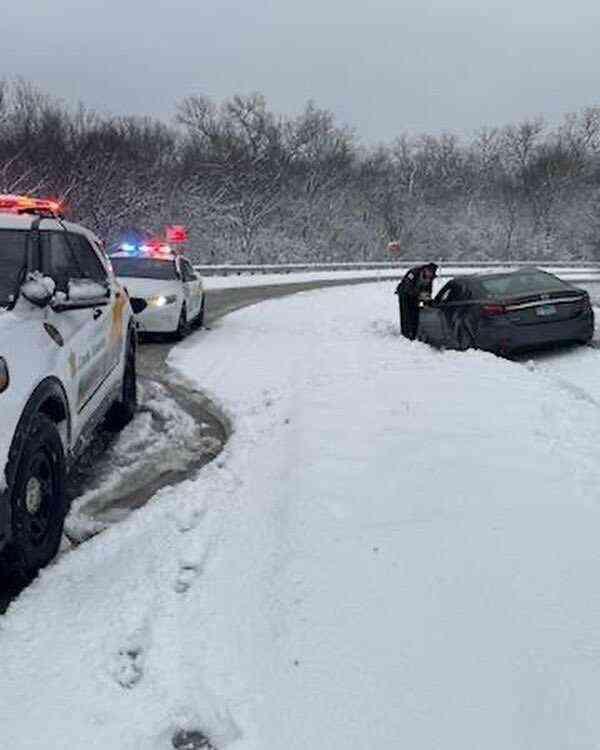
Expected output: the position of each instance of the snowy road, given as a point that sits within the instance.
(397, 548)
(176, 431)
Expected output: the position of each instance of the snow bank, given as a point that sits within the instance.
(397, 548)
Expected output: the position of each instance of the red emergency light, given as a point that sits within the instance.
(24, 204)
(176, 234)
(156, 248)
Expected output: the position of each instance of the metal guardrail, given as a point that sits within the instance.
(283, 268)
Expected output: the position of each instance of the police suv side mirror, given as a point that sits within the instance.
(38, 289)
(86, 290)
(81, 294)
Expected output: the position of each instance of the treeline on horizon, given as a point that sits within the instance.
(256, 187)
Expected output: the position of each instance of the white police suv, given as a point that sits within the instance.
(67, 361)
(166, 293)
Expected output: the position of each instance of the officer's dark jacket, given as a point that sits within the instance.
(413, 284)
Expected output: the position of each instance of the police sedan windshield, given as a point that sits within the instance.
(144, 268)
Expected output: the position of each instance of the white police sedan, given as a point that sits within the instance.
(166, 293)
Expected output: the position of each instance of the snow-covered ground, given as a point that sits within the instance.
(398, 548)
(234, 281)
(162, 434)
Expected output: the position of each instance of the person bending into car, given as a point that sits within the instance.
(415, 287)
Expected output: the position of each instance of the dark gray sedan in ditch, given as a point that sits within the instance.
(507, 312)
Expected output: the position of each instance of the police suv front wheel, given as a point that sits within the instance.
(38, 502)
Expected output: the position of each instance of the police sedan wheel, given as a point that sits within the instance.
(183, 326)
(199, 320)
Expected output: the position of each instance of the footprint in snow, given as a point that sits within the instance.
(189, 569)
(191, 740)
(128, 666)
(185, 577)
(189, 518)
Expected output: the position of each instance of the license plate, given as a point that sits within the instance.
(544, 310)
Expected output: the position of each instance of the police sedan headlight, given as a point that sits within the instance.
(4, 379)
(160, 300)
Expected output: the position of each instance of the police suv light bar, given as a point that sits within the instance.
(24, 204)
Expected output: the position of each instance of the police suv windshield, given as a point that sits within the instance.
(144, 268)
(13, 259)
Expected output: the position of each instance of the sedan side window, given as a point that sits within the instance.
(452, 292)
(456, 293)
(444, 294)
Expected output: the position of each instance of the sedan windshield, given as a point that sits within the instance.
(13, 258)
(144, 268)
(520, 284)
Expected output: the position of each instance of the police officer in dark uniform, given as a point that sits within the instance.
(416, 286)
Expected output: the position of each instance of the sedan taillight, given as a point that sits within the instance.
(491, 311)
(583, 303)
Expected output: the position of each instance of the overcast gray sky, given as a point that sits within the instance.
(382, 68)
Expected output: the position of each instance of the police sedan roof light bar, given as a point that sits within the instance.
(155, 248)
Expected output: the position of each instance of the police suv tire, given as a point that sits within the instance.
(122, 411)
(183, 326)
(38, 502)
